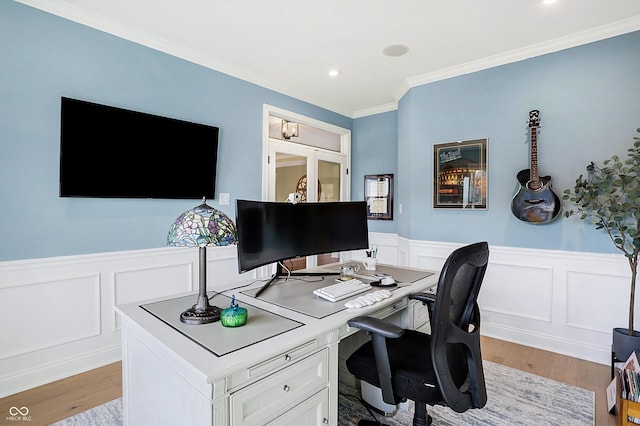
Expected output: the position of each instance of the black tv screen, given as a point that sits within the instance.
(270, 232)
(113, 152)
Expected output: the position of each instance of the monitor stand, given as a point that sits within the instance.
(281, 273)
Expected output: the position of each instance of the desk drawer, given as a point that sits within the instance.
(312, 411)
(277, 393)
(397, 306)
(281, 360)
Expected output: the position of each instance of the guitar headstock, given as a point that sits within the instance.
(534, 118)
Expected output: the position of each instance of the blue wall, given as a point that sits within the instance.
(45, 57)
(589, 98)
(375, 151)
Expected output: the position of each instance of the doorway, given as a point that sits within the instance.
(306, 157)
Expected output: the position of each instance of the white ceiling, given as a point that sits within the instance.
(290, 45)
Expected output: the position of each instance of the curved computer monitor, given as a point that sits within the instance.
(270, 232)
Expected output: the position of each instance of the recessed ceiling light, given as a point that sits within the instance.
(549, 1)
(334, 72)
(395, 50)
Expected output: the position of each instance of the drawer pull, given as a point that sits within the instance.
(325, 421)
(286, 388)
(287, 357)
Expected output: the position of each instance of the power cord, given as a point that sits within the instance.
(283, 266)
(216, 293)
(289, 270)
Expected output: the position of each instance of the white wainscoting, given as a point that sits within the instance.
(57, 317)
(560, 301)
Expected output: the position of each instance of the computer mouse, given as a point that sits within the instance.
(387, 281)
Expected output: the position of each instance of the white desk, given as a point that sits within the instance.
(288, 379)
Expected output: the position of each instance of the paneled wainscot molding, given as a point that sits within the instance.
(57, 317)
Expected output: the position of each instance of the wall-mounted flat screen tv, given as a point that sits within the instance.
(118, 153)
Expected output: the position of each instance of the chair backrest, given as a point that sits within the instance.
(455, 328)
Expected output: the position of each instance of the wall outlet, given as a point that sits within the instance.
(224, 198)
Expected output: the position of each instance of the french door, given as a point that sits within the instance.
(317, 174)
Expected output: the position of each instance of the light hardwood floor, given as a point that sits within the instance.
(56, 401)
(572, 371)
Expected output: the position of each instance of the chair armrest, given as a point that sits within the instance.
(380, 331)
(377, 326)
(423, 297)
(427, 299)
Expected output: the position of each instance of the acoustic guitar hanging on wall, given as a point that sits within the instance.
(535, 201)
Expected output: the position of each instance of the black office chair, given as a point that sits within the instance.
(444, 367)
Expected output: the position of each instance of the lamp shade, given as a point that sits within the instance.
(202, 226)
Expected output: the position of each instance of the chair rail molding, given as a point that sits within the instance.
(561, 301)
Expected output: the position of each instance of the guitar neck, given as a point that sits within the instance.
(534, 155)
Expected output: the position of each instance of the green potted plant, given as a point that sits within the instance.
(609, 196)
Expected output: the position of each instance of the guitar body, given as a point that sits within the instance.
(540, 205)
(535, 201)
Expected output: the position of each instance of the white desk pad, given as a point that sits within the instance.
(216, 338)
(296, 293)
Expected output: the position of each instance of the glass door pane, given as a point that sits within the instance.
(291, 172)
(329, 186)
(329, 189)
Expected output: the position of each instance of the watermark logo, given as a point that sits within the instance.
(18, 414)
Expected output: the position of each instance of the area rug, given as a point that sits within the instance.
(513, 398)
(108, 414)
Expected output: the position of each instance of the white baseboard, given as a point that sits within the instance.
(60, 369)
(572, 348)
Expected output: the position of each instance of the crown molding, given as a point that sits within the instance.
(392, 106)
(95, 21)
(596, 34)
(82, 16)
(584, 37)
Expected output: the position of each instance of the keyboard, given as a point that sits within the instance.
(342, 290)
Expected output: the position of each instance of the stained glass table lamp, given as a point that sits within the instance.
(202, 226)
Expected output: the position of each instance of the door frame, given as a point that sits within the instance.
(312, 153)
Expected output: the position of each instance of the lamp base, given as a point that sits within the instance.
(193, 316)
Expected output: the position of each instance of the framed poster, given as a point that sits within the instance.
(460, 175)
(378, 193)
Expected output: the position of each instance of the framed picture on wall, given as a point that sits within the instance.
(460, 175)
(378, 193)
